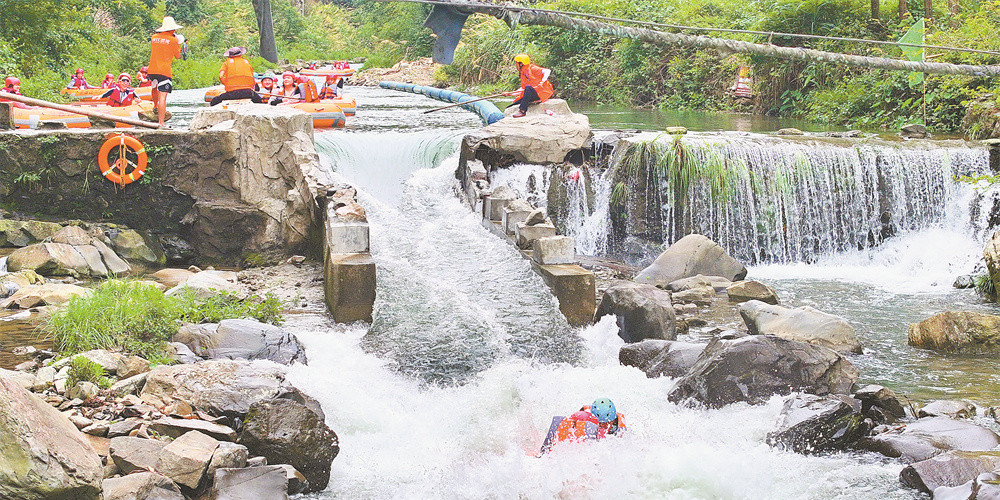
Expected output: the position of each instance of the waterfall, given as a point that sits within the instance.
(769, 200)
(3, 265)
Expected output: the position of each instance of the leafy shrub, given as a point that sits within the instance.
(82, 369)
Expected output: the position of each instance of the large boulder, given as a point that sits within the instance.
(250, 339)
(73, 252)
(641, 311)
(957, 331)
(742, 291)
(689, 256)
(538, 138)
(659, 358)
(141, 486)
(812, 424)
(265, 482)
(985, 486)
(756, 367)
(950, 469)
(49, 294)
(288, 432)
(132, 454)
(130, 245)
(21, 233)
(186, 458)
(219, 387)
(44, 455)
(931, 436)
(172, 277)
(948, 408)
(207, 284)
(804, 323)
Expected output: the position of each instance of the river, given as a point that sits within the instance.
(449, 392)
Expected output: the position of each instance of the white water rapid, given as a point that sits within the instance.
(450, 392)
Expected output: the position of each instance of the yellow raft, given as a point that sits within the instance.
(145, 93)
(33, 116)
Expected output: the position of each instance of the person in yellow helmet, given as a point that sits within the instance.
(535, 84)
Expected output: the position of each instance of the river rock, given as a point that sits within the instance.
(134, 454)
(790, 131)
(106, 359)
(913, 131)
(702, 295)
(288, 432)
(177, 427)
(23, 278)
(931, 436)
(21, 233)
(536, 217)
(228, 456)
(207, 284)
(538, 138)
(641, 311)
(141, 486)
(880, 397)
(991, 254)
(186, 458)
(742, 291)
(130, 245)
(57, 259)
(812, 424)
(986, 486)
(44, 455)
(691, 255)
(172, 277)
(218, 387)
(264, 482)
(659, 358)
(948, 408)
(124, 427)
(957, 331)
(23, 380)
(250, 339)
(717, 283)
(950, 469)
(804, 324)
(197, 337)
(83, 391)
(177, 250)
(130, 366)
(49, 294)
(756, 367)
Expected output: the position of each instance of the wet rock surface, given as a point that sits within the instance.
(812, 424)
(932, 436)
(691, 255)
(641, 311)
(957, 331)
(804, 324)
(661, 358)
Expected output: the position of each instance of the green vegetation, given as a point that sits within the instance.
(985, 286)
(82, 369)
(136, 317)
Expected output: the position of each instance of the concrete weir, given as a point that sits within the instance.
(242, 182)
(550, 133)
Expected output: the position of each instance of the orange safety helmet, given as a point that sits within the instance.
(79, 71)
(125, 75)
(522, 59)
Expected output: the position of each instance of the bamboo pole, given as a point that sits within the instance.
(78, 110)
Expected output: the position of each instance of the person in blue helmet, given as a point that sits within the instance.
(597, 421)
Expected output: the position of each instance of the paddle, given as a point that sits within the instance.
(466, 102)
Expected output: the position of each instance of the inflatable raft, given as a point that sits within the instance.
(325, 114)
(346, 72)
(31, 117)
(348, 105)
(145, 93)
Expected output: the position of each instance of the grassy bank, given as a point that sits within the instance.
(136, 318)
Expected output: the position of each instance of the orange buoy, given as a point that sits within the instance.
(122, 159)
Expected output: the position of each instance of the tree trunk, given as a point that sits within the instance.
(953, 10)
(875, 9)
(902, 9)
(268, 49)
(928, 9)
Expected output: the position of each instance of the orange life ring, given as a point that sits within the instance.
(115, 171)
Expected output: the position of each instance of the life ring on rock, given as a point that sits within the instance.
(122, 159)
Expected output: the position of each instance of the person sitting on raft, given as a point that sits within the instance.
(123, 94)
(591, 423)
(78, 81)
(12, 85)
(143, 77)
(332, 88)
(535, 85)
(266, 87)
(237, 75)
(287, 88)
(109, 81)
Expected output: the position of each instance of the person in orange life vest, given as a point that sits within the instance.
(78, 81)
(591, 423)
(109, 81)
(237, 75)
(332, 87)
(266, 87)
(143, 77)
(535, 85)
(313, 65)
(122, 95)
(164, 48)
(12, 85)
(286, 89)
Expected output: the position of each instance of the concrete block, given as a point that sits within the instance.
(526, 234)
(349, 285)
(554, 250)
(346, 237)
(493, 207)
(6, 116)
(511, 218)
(576, 290)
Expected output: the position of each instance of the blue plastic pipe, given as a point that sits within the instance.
(486, 110)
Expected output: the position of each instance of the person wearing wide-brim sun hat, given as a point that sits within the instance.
(237, 76)
(165, 47)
